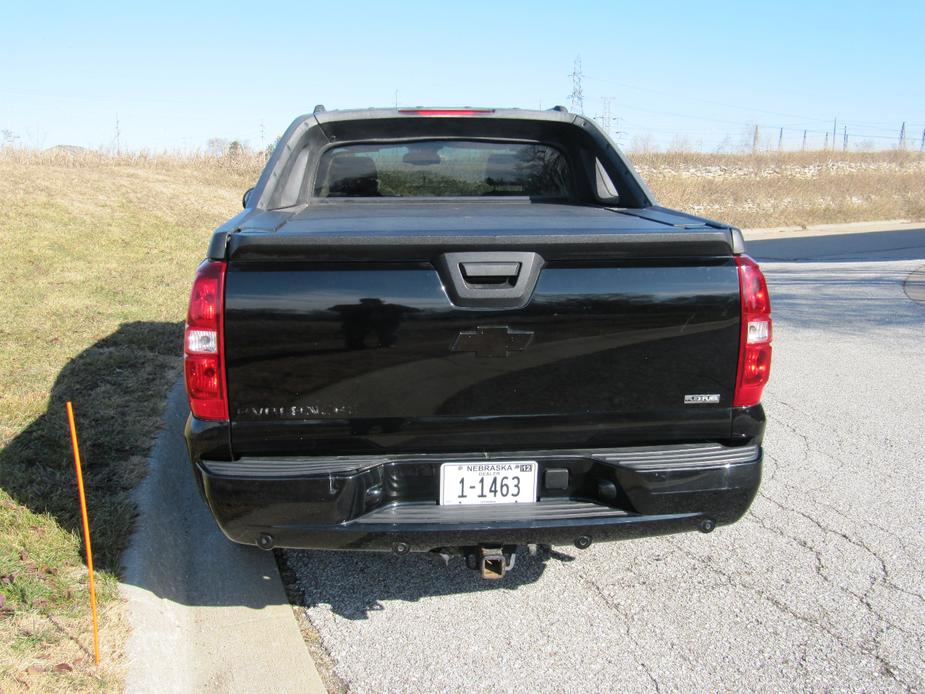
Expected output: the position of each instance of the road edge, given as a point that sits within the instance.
(833, 229)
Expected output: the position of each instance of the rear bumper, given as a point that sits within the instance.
(374, 503)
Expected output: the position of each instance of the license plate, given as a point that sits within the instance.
(510, 482)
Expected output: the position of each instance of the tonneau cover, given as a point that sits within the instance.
(371, 230)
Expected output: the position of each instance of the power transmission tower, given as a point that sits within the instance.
(902, 136)
(780, 140)
(118, 137)
(844, 144)
(755, 140)
(804, 140)
(607, 120)
(577, 97)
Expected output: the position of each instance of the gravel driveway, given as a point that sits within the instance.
(819, 587)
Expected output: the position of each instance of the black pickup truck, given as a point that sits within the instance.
(464, 330)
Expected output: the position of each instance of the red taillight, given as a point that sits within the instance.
(203, 344)
(755, 336)
(445, 111)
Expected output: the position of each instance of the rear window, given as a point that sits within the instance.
(438, 168)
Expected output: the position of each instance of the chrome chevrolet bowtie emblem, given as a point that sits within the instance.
(492, 341)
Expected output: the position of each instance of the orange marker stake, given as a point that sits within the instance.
(86, 523)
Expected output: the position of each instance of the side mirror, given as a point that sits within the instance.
(247, 194)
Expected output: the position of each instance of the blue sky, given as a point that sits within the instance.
(176, 75)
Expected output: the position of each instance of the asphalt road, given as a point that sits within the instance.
(819, 587)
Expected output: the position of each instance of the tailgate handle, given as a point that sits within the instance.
(490, 273)
(490, 279)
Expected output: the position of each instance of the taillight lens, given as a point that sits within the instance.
(203, 348)
(755, 338)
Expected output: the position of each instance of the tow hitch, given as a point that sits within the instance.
(492, 562)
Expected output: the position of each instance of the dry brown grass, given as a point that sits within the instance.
(243, 162)
(789, 188)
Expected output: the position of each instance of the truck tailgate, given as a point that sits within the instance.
(349, 336)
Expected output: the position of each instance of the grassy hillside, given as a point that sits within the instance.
(96, 258)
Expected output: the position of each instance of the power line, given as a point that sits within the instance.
(746, 124)
(882, 126)
(707, 101)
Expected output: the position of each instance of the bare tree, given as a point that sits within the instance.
(643, 144)
(217, 146)
(726, 145)
(680, 143)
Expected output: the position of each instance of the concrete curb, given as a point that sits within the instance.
(206, 614)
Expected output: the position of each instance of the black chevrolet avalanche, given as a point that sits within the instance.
(464, 330)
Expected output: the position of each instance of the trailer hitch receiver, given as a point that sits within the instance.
(494, 562)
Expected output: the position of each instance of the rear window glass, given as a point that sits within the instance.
(435, 168)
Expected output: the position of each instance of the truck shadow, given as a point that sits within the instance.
(354, 584)
(904, 244)
(118, 386)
